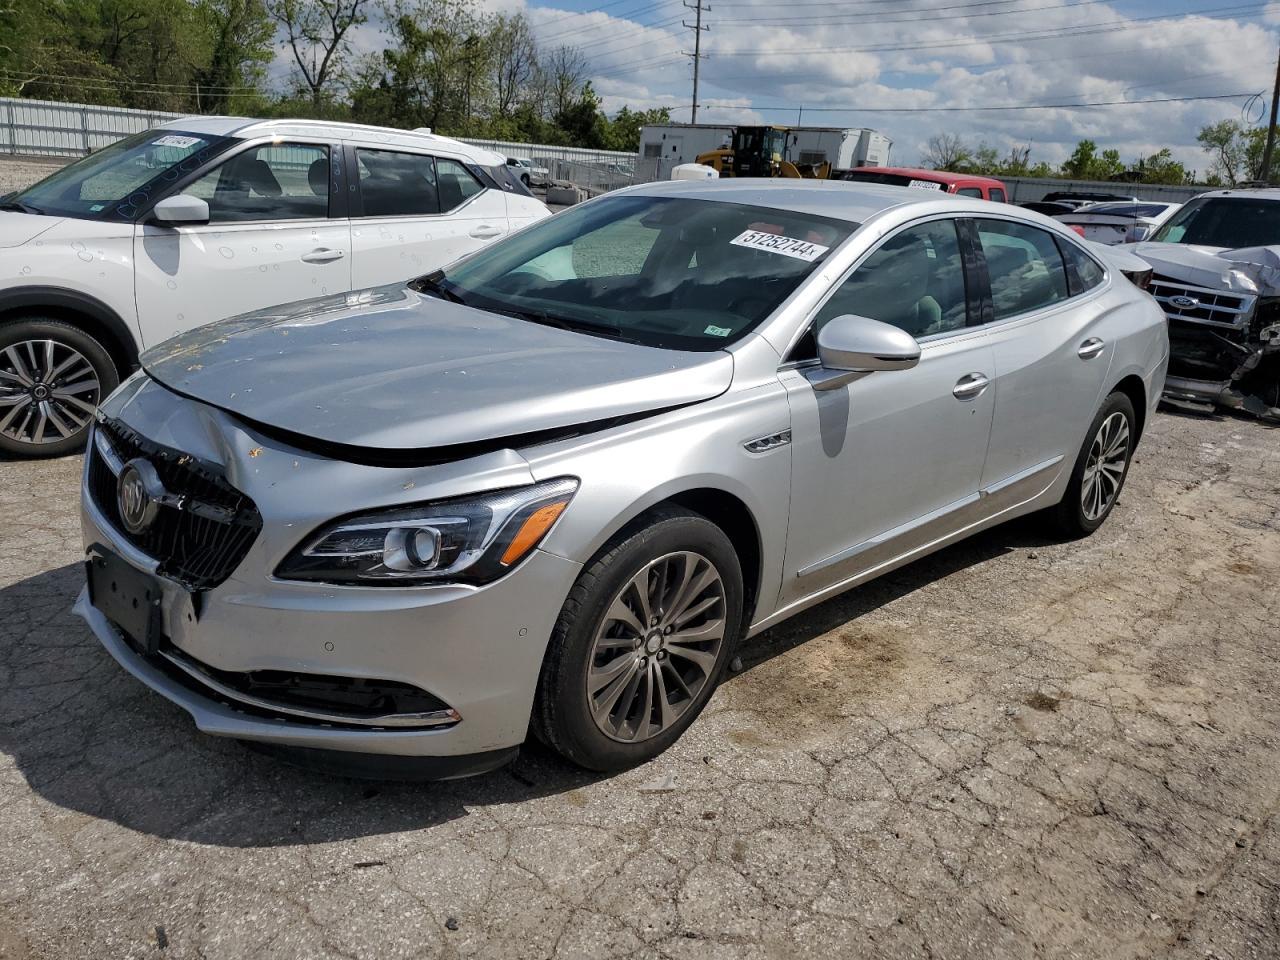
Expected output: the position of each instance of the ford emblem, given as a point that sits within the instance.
(138, 493)
(1183, 302)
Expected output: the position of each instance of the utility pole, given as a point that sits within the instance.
(697, 28)
(1271, 130)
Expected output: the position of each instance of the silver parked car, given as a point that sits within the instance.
(552, 487)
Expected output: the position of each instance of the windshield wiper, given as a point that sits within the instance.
(19, 206)
(433, 283)
(608, 330)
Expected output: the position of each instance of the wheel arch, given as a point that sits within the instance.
(727, 511)
(79, 309)
(1133, 387)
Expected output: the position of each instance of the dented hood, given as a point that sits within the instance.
(393, 369)
(1251, 270)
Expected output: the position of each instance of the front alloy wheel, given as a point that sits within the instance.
(52, 377)
(657, 646)
(641, 642)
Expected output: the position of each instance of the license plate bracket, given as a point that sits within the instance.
(128, 597)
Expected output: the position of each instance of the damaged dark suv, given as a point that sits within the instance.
(1216, 266)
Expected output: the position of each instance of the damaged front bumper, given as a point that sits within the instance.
(1224, 341)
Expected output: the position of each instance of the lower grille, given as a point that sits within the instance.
(1215, 308)
(201, 534)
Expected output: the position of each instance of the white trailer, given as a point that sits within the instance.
(844, 147)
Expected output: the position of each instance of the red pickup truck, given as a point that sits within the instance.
(963, 184)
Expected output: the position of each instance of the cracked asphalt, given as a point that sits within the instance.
(1012, 749)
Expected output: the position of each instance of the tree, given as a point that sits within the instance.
(1081, 160)
(1160, 167)
(623, 131)
(1227, 142)
(515, 60)
(582, 122)
(565, 69)
(946, 151)
(240, 34)
(316, 31)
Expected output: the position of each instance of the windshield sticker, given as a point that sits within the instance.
(714, 331)
(173, 140)
(774, 243)
(925, 185)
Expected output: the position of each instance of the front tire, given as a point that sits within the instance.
(641, 642)
(53, 375)
(1100, 470)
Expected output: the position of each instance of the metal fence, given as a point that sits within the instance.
(44, 128)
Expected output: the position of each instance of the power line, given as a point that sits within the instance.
(1018, 106)
(839, 19)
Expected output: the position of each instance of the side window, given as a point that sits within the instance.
(1025, 267)
(394, 184)
(970, 192)
(915, 281)
(997, 195)
(457, 184)
(1083, 272)
(275, 181)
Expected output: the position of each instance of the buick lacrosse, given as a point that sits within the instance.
(550, 488)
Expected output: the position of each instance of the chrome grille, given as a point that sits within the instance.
(201, 535)
(1214, 308)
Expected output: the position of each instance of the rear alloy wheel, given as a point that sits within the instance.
(641, 643)
(52, 378)
(1100, 470)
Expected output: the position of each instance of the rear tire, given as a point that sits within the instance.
(52, 377)
(615, 692)
(1101, 468)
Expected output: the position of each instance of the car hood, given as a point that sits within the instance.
(17, 228)
(1250, 270)
(396, 370)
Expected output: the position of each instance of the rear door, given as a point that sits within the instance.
(417, 212)
(1051, 351)
(276, 233)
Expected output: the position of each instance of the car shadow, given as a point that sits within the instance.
(90, 739)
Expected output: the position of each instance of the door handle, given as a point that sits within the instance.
(322, 255)
(1090, 348)
(970, 386)
(485, 232)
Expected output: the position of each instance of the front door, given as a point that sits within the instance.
(418, 213)
(270, 240)
(893, 460)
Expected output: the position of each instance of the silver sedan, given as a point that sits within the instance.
(553, 487)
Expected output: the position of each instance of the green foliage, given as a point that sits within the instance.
(448, 64)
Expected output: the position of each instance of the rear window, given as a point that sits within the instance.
(893, 179)
(970, 192)
(1127, 209)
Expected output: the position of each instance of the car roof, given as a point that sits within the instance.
(920, 173)
(246, 127)
(1263, 193)
(839, 199)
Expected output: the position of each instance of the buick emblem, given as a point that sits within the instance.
(1182, 302)
(138, 494)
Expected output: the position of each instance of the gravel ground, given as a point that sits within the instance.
(1012, 749)
(18, 173)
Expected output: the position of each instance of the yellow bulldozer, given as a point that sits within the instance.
(761, 152)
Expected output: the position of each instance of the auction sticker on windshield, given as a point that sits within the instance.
(774, 243)
(173, 140)
(925, 185)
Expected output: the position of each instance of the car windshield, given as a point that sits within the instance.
(115, 182)
(667, 272)
(1230, 222)
(1127, 209)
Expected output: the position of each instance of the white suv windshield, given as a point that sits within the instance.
(117, 181)
(670, 272)
(1230, 222)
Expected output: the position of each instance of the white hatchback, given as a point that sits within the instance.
(207, 217)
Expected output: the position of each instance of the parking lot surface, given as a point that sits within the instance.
(1015, 748)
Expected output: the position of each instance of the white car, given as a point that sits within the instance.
(208, 217)
(1120, 222)
(528, 172)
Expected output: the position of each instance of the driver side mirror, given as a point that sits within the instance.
(849, 345)
(180, 209)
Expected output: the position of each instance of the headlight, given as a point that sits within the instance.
(468, 540)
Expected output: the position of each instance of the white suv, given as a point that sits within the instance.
(207, 217)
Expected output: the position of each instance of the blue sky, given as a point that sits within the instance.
(914, 68)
